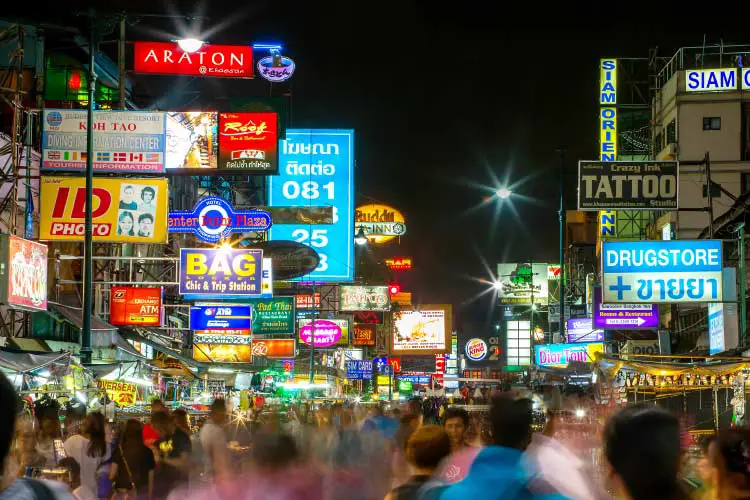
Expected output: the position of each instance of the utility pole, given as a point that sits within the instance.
(88, 263)
(707, 160)
(121, 62)
(740, 230)
(561, 217)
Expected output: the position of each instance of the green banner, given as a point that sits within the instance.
(273, 316)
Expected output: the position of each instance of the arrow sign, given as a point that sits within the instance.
(625, 321)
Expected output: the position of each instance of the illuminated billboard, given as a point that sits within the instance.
(192, 140)
(248, 142)
(168, 58)
(131, 306)
(423, 331)
(524, 283)
(380, 223)
(23, 274)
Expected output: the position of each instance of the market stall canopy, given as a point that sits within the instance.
(171, 366)
(610, 365)
(26, 362)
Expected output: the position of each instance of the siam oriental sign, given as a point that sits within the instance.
(561, 355)
(608, 82)
(124, 141)
(364, 298)
(380, 223)
(717, 80)
(124, 210)
(399, 264)
(131, 306)
(167, 58)
(23, 275)
(249, 142)
(662, 271)
(214, 219)
(220, 272)
(627, 185)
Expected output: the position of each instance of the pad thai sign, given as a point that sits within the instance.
(24, 278)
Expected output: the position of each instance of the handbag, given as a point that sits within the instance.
(124, 493)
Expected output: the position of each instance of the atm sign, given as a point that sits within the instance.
(131, 306)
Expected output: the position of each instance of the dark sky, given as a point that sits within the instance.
(440, 96)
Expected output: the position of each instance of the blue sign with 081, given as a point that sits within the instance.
(662, 271)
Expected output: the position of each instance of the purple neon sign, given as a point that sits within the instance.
(624, 316)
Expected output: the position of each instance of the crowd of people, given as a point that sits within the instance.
(356, 452)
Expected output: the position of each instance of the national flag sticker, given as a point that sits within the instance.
(103, 156)
(53, 155)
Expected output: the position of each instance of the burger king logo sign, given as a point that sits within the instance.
(476, 349)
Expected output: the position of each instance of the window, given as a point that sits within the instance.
(711, 123)
(658, 145)
(518, 342)
(671, 132)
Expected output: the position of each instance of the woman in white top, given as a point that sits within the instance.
(89, 449)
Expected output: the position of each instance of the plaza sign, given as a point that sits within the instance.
(214, 219)
(662, 271)
(627, 185)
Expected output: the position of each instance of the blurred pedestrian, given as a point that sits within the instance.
(80, 492)
(150, 435)
(730, 459)
(172, 455)
(132, 469)
(456, 424)
(89, 449)
(213, 440)
(425, 448)
(642, 445)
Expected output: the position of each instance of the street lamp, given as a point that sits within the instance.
(190, 45)
(503, 193)
(360, 238)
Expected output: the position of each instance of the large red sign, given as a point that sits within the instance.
(167, 58)
(129, 305)
(27, 274)
(363, 335)
(274, 348)
(248, 142)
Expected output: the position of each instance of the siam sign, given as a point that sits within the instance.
(380, 223)
(167, 58)
(399, 264)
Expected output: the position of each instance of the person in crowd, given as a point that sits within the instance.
(213, 440)
(379, 422)
(497, 471)
(25, 453)
(132, 470)
(456, 424)
(13, 487)
(49, 431)
(425, 448)
(181, 420)
(172, 455)
(80, 492)
(89, 449)
(730, 459)
(642, 447)
(704, 470)
(151, 435)
(414, 407)
(408, 424)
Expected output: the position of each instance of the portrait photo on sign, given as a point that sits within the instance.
(136, 210)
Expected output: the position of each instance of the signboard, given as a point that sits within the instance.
(125, 210)
(363, 335)
(328, 332)
(627, 185)
(380, 223)
(405, 386)
(192, 141)
(248, 142)
(308, 301)
(553, 272)
(122, 393)
(582, 330)
(399, 264)
(213, 219)
(561, 355)
(224, 271)
(662, 271)
(131, 306)
(712, 80)
(23, 277)
(723, 325)
(274, 348)
(266, 278)
(624, 316)
(221, 317)
(132, 142)
(423, 379)
(641, 347)
(423, 331)
(222, 353)
(476, 349)
(608, 82)
(364, 298)
(317, 169)
(608, 134)
(276, 68)
(273, 316)
(522, 283)
(358, 369)
(167, 58)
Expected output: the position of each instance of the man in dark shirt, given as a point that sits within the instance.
(425, 448)
(172, 454)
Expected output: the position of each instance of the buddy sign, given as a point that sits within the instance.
(380, 223)
(220, 271)
(124, 210)
(214, 219)
(167, 58)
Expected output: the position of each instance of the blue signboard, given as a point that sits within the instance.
(415, 379)
(214, 219)
(317, 170)
(358, 369)
(226, 272)
(221, 317)
(661, 271)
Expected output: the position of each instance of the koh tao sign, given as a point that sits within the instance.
(167, 58)
(214, 219)
(662, 271)
(380, 223)
(717, 80)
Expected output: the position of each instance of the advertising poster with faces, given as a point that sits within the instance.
(136, 210)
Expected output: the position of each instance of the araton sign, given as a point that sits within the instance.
(167, 58)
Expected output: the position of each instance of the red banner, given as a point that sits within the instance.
(27, 274)
(363, 335)
(274, 348)
(129, 305)
(307, 302)
(248, 142)
(167, 58)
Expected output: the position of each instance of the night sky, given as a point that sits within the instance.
(443, 97)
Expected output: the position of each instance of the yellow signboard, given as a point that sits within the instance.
(122, 393)
(384, 380)
(608, 82)
(380, 223)
(124, 210)
(608, 134)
